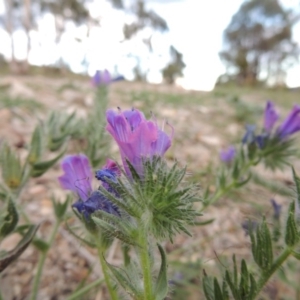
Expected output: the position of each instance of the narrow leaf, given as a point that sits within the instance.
(161, 288)
(12, 255)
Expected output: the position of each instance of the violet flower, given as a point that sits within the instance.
(291, 124)
(277, 209)
(110, 171)
(227, 155)
(137, 138)
(271, 117)
(77, 177)
(104, 78)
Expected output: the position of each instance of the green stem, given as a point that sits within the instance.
(41, 262)
(145, 264)
(85, 289)
(266, 276)
(229, 186)
(111, 290)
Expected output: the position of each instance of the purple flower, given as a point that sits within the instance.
(228, 154)
(78, 175)
(110, 171)
(277, 209)
(104, 78)
(271, 116)
(136, 137)
(249, 136)
(291, 124)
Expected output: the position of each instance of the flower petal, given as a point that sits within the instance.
(77, 175)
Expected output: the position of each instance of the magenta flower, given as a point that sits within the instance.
(136, 137)
(271, 116)
(291, 124)
(104, 78)
(78, 175)
(228, 154)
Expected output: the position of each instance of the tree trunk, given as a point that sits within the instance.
(10, 29)
(27, 26)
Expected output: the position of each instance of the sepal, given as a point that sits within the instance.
(60, 208)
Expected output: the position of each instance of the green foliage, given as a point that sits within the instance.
(60, 208)
(161, 286)
(97, 141)
(36, 146)
(6, 258)
(12, 171)
(292, 234)
(158, 200)
(262, 250)
(276, 153)
(9, 221)
(28, 105)
(39, 168)
(60, 127)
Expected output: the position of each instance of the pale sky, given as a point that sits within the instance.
(196, 28)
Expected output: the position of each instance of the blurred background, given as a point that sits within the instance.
(207, 67)
(191, 42)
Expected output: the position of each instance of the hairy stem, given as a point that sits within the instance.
(41, 262)
(85, 289)
(113, 294)
(266, 275)
(145, 264)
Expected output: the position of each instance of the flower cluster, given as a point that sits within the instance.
(287, 128)
(78, 178)
(138, 140)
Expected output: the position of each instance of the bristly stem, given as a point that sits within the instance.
(266, 275)
(85, 289)
(41, 262)
(112, 292)
(145, 264)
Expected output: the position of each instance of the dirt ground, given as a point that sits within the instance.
(204, 123)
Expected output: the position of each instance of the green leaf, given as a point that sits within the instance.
(207, 283)
(40, 244)
(232, 286)
(125, 281)
(12, 255)
(86, 242)
(217, 290)
(297, 183)
(114, 231)
(40, 168)
(244, 279)
(10, 220)
(161, 288)
(253, 287)
(35, 146)
(291, 234)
